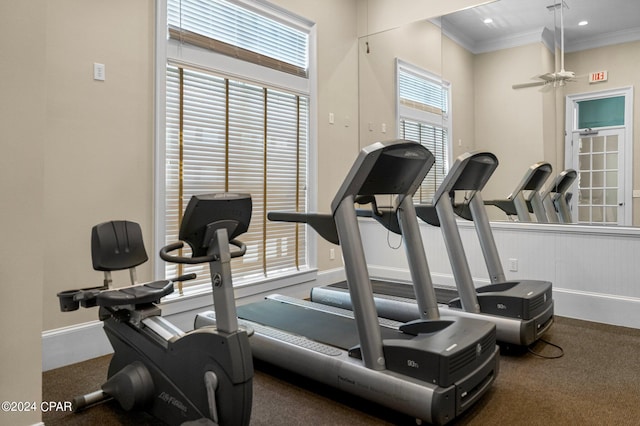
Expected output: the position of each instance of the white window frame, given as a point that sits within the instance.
(172, 51)
(444, 120)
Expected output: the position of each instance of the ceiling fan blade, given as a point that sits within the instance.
(525, 85)
(550, 76)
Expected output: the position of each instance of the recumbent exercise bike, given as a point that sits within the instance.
(203, 376)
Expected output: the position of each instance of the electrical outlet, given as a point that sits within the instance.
(513, 265)
(332, 254)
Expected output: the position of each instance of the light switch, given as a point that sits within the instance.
(98, 72)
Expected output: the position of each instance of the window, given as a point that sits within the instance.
(230, 125)
(603, 112)
(423, 116)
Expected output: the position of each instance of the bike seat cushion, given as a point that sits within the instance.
(135, 295)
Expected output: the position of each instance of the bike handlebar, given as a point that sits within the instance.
(164, 253)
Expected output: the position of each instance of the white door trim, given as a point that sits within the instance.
(570, 128)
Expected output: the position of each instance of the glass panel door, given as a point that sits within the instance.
(599, 146)
(600, 193)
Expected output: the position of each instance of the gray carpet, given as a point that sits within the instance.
(596, 382)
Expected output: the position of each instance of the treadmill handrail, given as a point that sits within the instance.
(561, 183)
(526, 197)
(372, 160)
(554, 197)
(323, 224)
(534, 178)
(427, 212)
(470, 172)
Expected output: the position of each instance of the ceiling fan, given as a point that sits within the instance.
(556, 78)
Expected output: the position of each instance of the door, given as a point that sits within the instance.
(599, 147)
(600, 195)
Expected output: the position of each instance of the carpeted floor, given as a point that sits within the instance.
(596, 382)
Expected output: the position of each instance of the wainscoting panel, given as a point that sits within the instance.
(595, 270)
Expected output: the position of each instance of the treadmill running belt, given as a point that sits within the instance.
(316, 325)
(443, 295)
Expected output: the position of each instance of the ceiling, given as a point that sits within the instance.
(518, 22)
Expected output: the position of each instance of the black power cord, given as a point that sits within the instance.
(532, 352)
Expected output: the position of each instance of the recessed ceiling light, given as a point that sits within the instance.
(583, 23)
(488, 21)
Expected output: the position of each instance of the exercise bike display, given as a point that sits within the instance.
(204, 375)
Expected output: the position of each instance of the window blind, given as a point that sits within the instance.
(229, 135)
(434, 138)
(229, 130)
(419, 92)
(233, 30)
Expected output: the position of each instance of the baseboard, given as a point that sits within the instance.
(77, 343)
(597, 307)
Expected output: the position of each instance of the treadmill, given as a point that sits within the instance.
(522, 310)
(556, 197)
(526, 199)
(432, 370)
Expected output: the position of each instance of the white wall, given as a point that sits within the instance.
(99, 138)
(22, 224)
(377, 74)
(337, 60)
(593, 269)
(508, 122)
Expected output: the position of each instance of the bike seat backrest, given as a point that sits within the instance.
(117, 245)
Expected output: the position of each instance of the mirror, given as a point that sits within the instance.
(517, 125)
(418, 43)
(521, 126)
(388, 31)
(522, 116)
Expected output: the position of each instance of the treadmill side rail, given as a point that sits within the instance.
(514, 331)
(434, 404)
